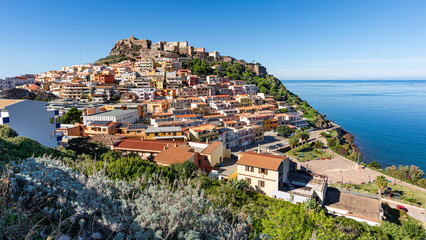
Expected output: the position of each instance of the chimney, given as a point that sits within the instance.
(258, 148)
(175, 144)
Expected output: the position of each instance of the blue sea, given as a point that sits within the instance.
(387, 118)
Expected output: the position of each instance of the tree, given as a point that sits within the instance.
(374, 164)
(283, 110)
(312, 205)
(381, 183)
(293, 141)
(285, 131)
(7, 132)
(73, 116)
(115, 97)
(415, 172)
(83, 145)
(318, 144)
(302, 135)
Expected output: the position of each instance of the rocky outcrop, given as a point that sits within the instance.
(321, 122)
(133, 48)
(130, 43)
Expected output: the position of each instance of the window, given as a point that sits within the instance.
(248, 180)
(261, 183)
(264, 171)
(252, 169)
(247, 168)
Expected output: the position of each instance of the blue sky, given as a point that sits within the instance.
(358, 39)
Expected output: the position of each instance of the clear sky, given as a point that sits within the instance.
(294, 39)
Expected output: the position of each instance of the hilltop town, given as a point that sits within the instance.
(171, 103)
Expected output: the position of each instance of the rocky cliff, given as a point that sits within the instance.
(133, 48)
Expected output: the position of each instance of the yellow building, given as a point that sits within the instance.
(264, 172)
(270, 124)
(244, 100)
(156, 106)
(215, 153)
(115, 128)
(128, 106)
(159, 84)
(203, 133)
(164, 133)
(258, 133)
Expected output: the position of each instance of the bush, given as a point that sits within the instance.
(95, 206)
(374, 164)
(331, 142)
(7, 132)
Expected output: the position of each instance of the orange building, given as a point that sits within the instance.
(104, 78)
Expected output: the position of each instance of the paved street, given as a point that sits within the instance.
(415, 212)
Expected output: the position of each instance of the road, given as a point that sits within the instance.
(415, 212)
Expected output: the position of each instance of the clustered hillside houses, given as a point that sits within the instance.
(156, 109)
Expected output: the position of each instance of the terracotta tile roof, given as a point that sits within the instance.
(212, 146)
(204, 127)
(186, 116)
(229, 122)
(260, 160)
(213, 116)
(33, 87)
(143, 145)
(220, 96)
(7, 102)
(162, 114)
(173, 155)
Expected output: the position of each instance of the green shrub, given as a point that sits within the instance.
(331, 142)
(374, 164)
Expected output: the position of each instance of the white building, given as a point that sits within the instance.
(264, 172)
(144, 94)
(124, 116)
(30, 119)
(251, 90)
(12, 82)
(270, 174)
(214, 54)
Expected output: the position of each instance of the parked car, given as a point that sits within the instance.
(400, 207)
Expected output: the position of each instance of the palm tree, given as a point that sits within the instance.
(293, 141)
(305, 136)
(298, 135)
(381, 183)
(319, 144)
(302, 135)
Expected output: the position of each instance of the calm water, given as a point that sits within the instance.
(387, 118)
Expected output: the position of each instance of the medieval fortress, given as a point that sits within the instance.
(145, 48)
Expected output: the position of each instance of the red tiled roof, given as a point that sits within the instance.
(260, 160)
(173, 155)
(143, 145)
(186, 116)
(212, 146)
